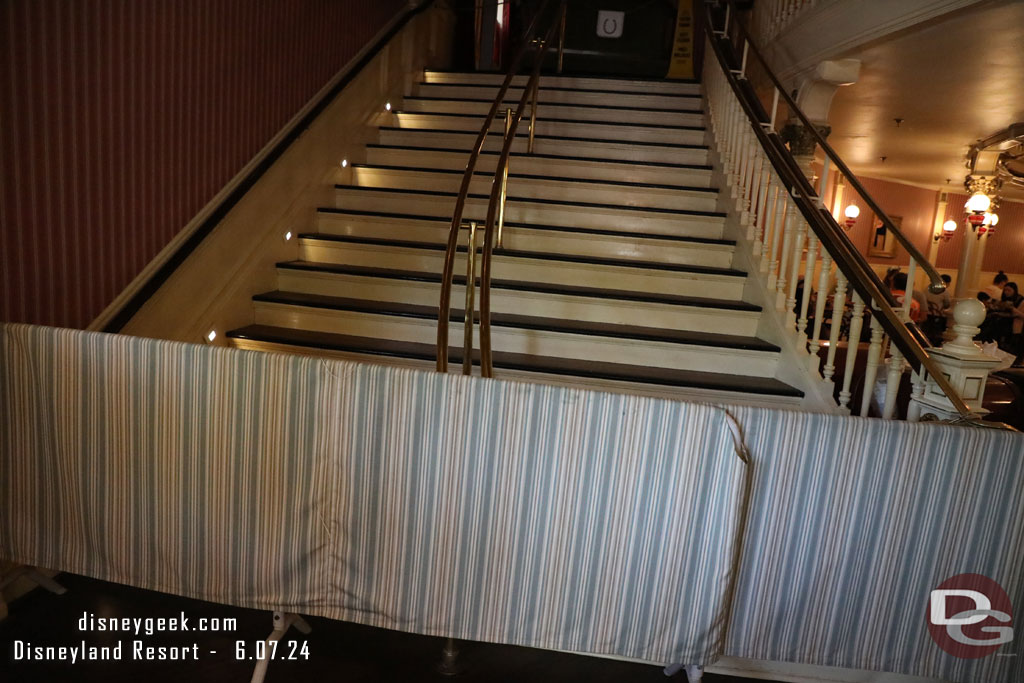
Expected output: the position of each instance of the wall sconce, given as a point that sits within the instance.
(948, 228)
(978, 204)
(851, 213)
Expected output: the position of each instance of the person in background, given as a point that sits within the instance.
(938, 310)
(1013, 304)
(899, 291)
(995, 290)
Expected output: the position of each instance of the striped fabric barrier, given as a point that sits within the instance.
(443, 505)
(500, 511)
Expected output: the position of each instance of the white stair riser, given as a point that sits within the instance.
(668, 136)
(624, 220)
(575, 148)
(622, 195)
(639, 100)
(560, 111)
(514, 340)
(570, 168)
(542, 304)
(542, 241)
(531, 270)
(619, 84)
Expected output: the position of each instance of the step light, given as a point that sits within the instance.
(344, 163)
(287, 235)
(211, 335)
(387, 107)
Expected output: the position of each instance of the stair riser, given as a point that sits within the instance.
(531, 270)
(557, 128)
(639, 100)
(584, 169)
(679, 200)
(513, 340)
(556, 306)
(618, 84)
(624, 220)
(541, 241)
(559, 111)
(573, 148)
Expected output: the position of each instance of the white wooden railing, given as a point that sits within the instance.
(792, 235)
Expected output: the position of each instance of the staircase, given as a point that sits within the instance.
(615, 272)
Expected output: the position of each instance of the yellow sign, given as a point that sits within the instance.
(681, 65)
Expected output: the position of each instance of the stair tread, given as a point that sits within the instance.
(514, 361)
(542, 103)
(566, 258)
(529, 322)
(535, 200)
(532, 176)
(550, 88)
(539, 155)
(590, 77)
(527, 286)
(549, 119)
(569, 138)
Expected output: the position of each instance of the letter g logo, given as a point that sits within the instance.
(975, 602)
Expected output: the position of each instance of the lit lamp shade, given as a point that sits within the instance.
(978, 203)
(851, 213)
(949, 227)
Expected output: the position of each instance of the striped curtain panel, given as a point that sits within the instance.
(485, 510)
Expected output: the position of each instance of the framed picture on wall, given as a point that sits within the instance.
(881, 241)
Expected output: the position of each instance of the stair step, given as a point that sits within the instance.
(594, 341)
(526, 237)
(522, 366)
(648, 85)
(643, 220)
(554, 110)
(595, 95)
(580, 168)
(557, 269)
(545, 144)
(526, 298)
(549, 126)
(541, 187)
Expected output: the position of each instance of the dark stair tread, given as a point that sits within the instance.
(526, 286)
(560, 157)
(523, 322)
(563, 258)
(554, 88)
(536, 200)
(570, 138)
(542, 103)
(514, 361)
(531, 176)
(594, 77)
(534, 226)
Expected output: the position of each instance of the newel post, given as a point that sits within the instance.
(964, 364)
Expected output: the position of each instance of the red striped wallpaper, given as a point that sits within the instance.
(121, 119)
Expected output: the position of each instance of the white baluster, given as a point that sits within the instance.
(794, 273)
(771, 206)
(787, 246)
(874, 349)
(819, 309)
(778, 228)
(812, 261)
(755, 191)
(917, 382)
(838, 308)
(762, 210)
(852, 347)
(892, 382)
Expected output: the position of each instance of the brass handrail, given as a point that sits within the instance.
(448, 270)
(906, 335)
(498, 196)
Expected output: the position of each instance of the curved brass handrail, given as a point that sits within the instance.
(445, 303)
(906, 335)
(936, 286)
(497, 198)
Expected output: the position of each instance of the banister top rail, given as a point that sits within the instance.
(936, 285)
(905, 335)
(486, 364)
(444, 308)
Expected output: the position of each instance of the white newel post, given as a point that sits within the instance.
(964, 364)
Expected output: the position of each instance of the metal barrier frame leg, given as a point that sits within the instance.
(282, 621)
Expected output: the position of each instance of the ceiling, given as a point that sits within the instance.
(953, 80)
